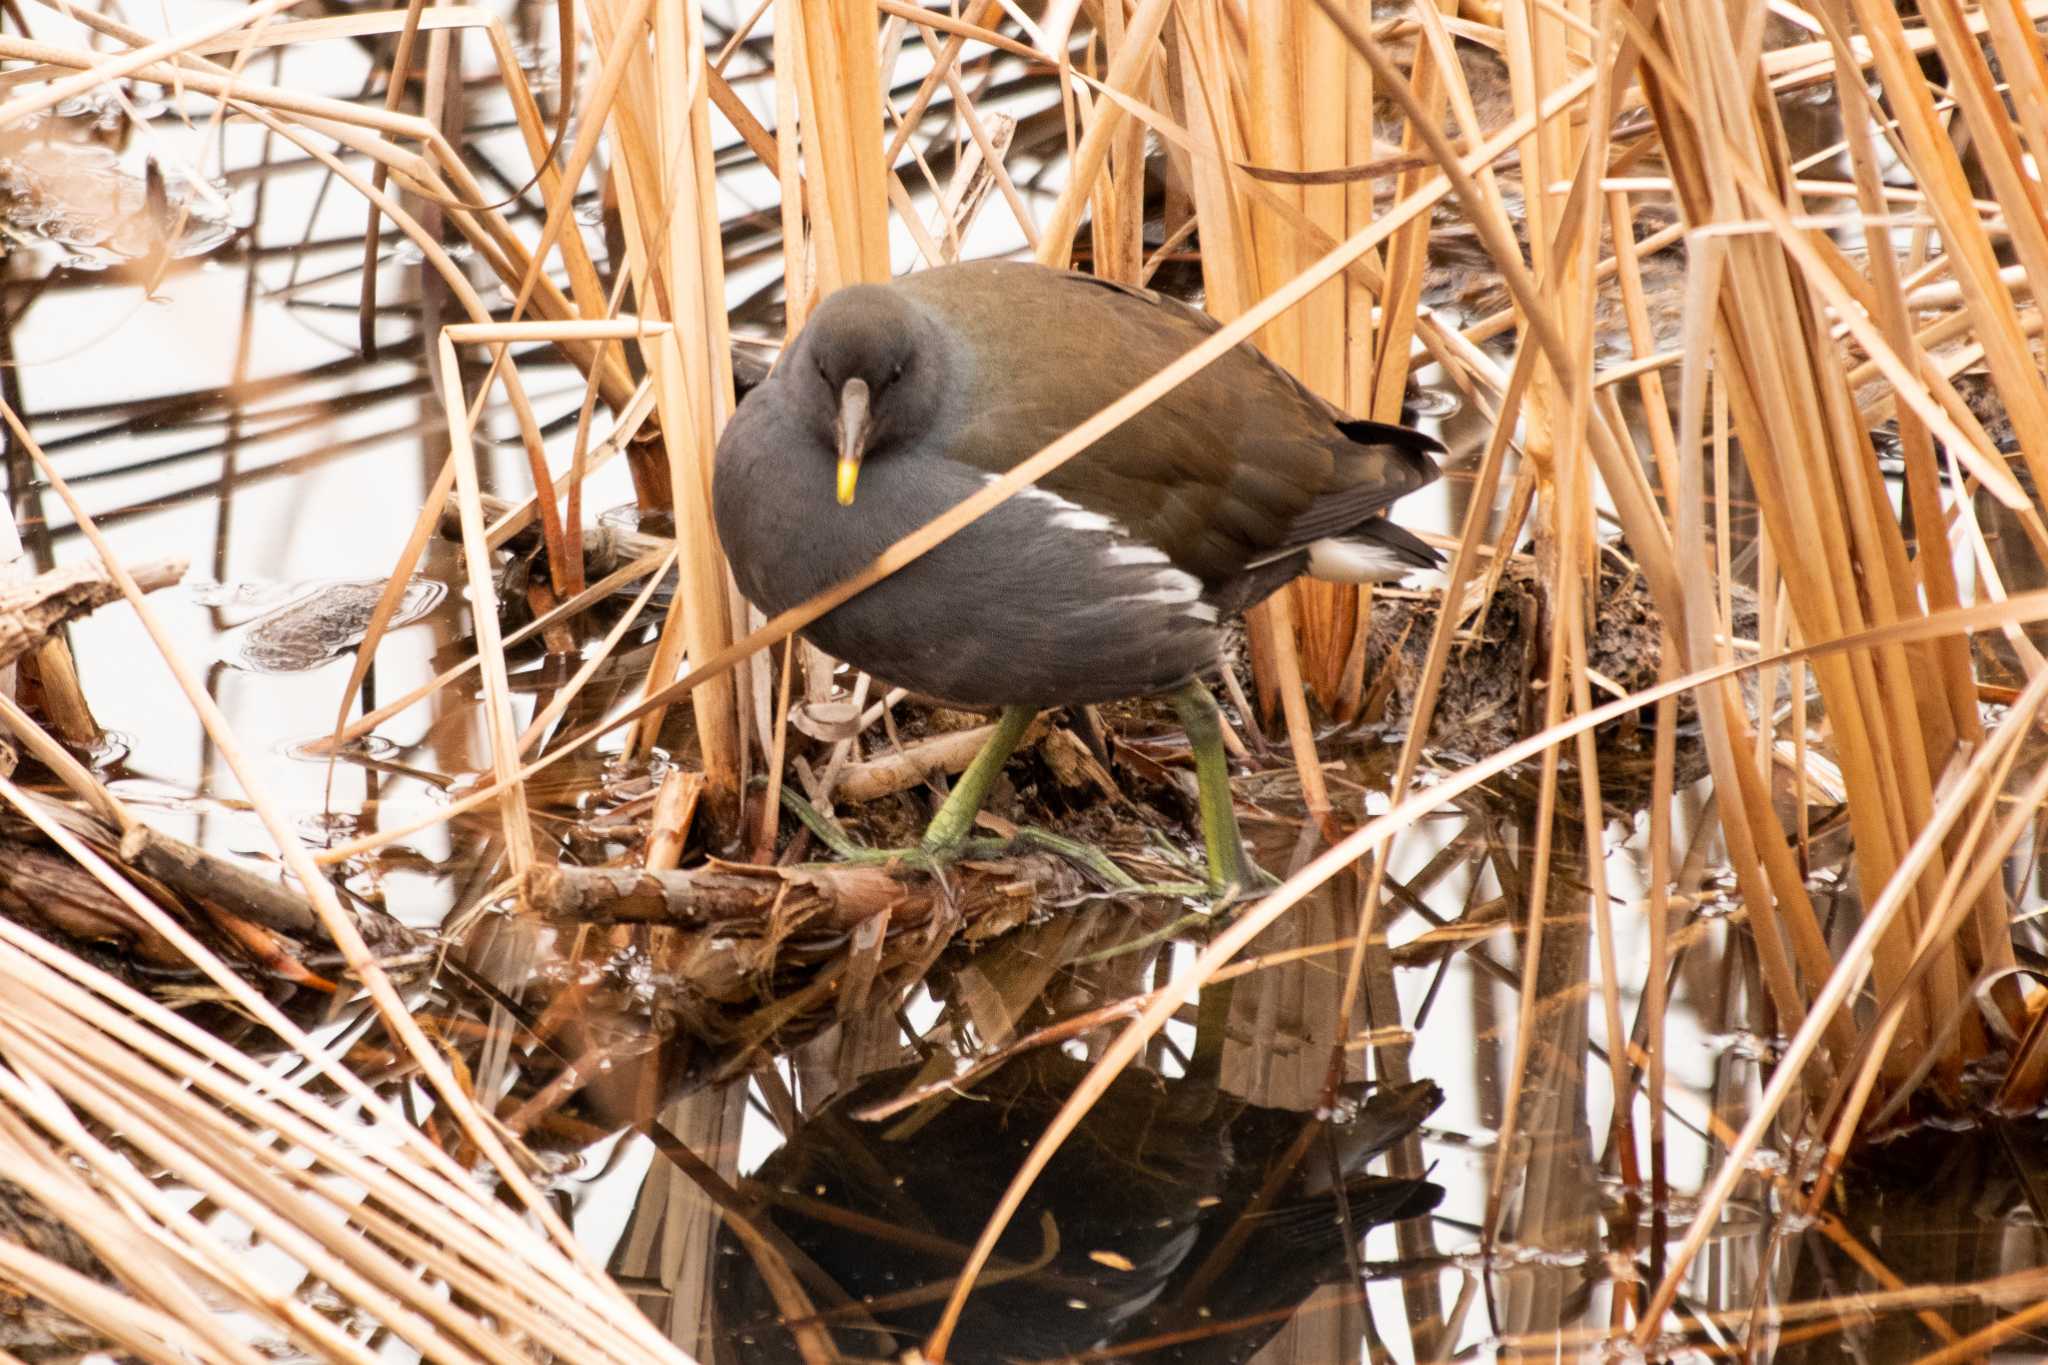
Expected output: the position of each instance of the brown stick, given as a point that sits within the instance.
(834, 899)
(921, 760)
(49, 892)
(270, 921)
(221, 882)
(30, 611)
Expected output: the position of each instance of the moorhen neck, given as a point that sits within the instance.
(1114, 576)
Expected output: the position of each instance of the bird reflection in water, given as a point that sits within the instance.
(1177, 1224)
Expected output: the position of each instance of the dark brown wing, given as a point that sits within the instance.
(1239, 463)
(1381, 464)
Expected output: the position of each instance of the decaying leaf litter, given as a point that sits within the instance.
(1805, 406)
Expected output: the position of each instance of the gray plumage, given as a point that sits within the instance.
(1111, 579)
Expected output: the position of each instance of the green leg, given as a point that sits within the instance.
(1229, 872)
(950, 827)
(946, 838)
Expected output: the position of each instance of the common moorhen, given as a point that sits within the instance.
(1114, 575)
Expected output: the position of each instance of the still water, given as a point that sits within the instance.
(1214, 1207)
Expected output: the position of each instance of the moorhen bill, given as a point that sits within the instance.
(1111, 578)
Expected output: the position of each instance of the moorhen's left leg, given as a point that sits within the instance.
(946, 838)
(950, 827)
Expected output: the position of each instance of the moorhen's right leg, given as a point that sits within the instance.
(1231, 874)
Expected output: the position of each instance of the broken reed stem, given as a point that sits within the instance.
(661, 138)
(483, 602)
(839, 113)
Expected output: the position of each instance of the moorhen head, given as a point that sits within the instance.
(1113, 576)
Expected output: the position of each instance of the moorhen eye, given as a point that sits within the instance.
(1095, 584)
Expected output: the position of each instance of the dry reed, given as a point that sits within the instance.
(1812, 308)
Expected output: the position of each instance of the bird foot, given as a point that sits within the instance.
(1091, 861)
(1224, 881)
(1247, 883)
(932, 861)
(933, 857)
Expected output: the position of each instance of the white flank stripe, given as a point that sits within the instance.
(1069, 514)
(1355, 561)
(1122, 550)
(1176, 587)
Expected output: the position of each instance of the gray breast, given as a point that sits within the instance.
(1040, 602)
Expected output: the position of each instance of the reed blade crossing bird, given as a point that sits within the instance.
(1113, 576)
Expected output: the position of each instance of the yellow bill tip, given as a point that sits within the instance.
(849, 474)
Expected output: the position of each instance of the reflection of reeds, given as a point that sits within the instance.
(1813, 308)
